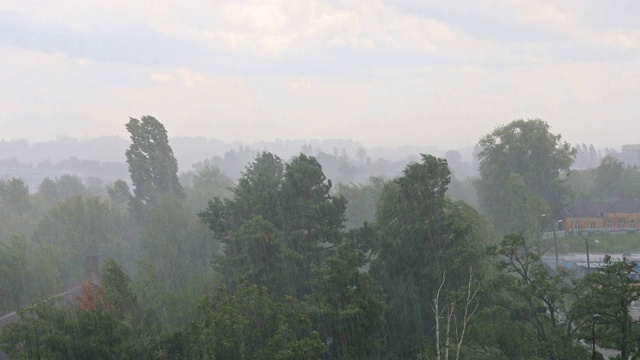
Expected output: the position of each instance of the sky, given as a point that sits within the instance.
(383, 73)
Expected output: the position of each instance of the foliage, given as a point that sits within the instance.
(282, 216)
(609, 293)
(206, 182)
(613, 179)
(175, 241)
(245, 324)
(47, 331)
(362, 201)
(152, 166)
(59, 189)
(118, 291)
(77, 227)
(25, 272)
(347, 304)
(525, 309)
(257, 255)
(119, 192)
(538, 157)
(17, 215)
(423, 235)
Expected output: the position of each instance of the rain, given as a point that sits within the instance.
(319, 180)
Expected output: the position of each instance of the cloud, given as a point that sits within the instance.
(137, 44)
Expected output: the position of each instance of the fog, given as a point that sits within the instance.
(319, 180)
(388, 74)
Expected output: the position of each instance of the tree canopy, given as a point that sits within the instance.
(528, 149)
(152, 166)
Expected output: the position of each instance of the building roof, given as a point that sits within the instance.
(624, 206)
(590, 209)
(595, 209)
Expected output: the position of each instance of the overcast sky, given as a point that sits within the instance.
(406, 72)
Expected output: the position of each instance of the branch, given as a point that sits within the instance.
(467, 315)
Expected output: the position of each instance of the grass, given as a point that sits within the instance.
(599, 243)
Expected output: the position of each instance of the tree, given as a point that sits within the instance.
(523, 316)
(77, 227)
(362, 201)
(176, 243)
(609, 177)
(290, 206)
(119, 192)
(16, 275)
(247, 324)
(469, 304)
(257, 195)
(16, 215)
(152, 166)
(347, 304)
(118, 291)
(206, 182)
(424, 234)
(528, 149)
(15, 196)
(609, 293)
(257, 255)
(48, 331)
(258, 190)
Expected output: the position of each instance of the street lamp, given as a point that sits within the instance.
(586, 243)
(594, 318)
(555, 238)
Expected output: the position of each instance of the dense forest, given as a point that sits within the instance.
(437, 262)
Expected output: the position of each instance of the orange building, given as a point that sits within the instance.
(619, 215)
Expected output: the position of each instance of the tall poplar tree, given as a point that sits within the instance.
(152, 165)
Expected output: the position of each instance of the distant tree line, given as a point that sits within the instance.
(282, 264)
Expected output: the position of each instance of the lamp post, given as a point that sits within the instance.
(586, 244)
(555, 240)
(554, 224)
(594, 317)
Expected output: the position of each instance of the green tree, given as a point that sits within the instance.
(176, 242)
(290, 205)
(48, 331)
(152, 166)
(257, 194)
(362, 201)
(524, 307)
(347, 304)
(24, 274)
(77, 227)
(609, 177)
(206, 182)
(15, 196)
(119, 192)
(582, 184)
(423, 235)
(118, 290)
(530, 150)
(17, 215)
(257, 255)
(246, 324)
(609, 293)
(313, 220)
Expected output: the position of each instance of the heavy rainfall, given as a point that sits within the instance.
(320, 180)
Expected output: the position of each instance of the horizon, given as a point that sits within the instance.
(389, 73)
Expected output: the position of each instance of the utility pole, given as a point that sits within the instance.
(586, 242)
(555, 241)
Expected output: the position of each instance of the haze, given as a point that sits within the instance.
(382, 73)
